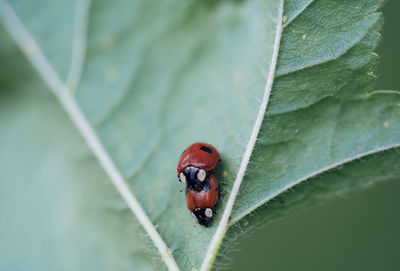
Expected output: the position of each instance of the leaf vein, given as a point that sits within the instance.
(79, 44)
(333, 56)
(224, 222)
(311, 175)
(300, 11)
(23, 39)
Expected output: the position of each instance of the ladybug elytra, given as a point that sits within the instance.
(201, 202)
(196, 163)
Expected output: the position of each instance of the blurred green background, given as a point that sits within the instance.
(358, 232)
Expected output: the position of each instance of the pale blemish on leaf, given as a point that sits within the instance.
(107, 42)
(386, 124)
(30, 48)
(111, 75)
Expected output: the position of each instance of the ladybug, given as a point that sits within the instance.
(196, 163)
(201, 202)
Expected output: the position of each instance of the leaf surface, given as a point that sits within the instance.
(144, 84)
(59, 210)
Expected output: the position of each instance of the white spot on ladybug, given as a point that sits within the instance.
(201, 175)
(182, 177)
(194, 215)
(208, 212)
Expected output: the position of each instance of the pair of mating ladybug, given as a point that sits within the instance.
(195, 169)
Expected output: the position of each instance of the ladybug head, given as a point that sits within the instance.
(193, 177)
(203, 215)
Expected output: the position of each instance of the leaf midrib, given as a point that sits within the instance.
(64, 92)
(32, 51)
(224, 222)
(49, 75)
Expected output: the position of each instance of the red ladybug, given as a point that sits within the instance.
(196, 163)
(201, 202)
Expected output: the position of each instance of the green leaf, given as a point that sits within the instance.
(58, 209)
(141, 81)
(305, 135)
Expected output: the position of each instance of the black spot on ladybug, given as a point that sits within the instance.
(204, 148)
(206, 186)
(201, 215)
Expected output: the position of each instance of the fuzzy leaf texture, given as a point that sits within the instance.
(135, 82)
